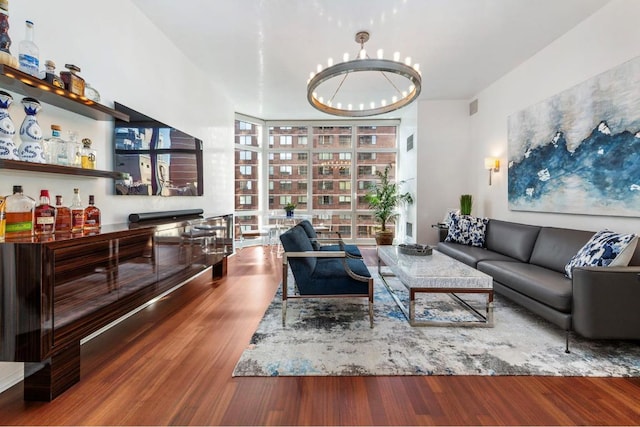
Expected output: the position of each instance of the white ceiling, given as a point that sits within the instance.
(260, 52)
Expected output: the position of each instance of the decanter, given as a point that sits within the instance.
(31, 134)
(8, 149)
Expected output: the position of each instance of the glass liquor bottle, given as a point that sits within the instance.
(91, 216)
(72, 82)
(88, 154)
(2, 220)
(58, 147)
(77, 212)
(28, 52)
(74, 149)
(63, 217)
(19, 214)
(45, 215)
(50, 75)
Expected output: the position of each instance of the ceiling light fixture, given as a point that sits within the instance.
(333, 78)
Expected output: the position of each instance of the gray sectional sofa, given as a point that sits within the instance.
(527, 265)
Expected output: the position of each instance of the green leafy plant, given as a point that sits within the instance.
(290, 206)
(466, 203)
(384, 197)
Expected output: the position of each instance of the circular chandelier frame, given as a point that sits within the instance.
(364, 65)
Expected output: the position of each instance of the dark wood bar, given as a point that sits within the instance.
(60, 289)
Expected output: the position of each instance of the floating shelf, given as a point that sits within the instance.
(25, 84)
(57, 169)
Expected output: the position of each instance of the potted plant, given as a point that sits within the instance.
(383, 198)
(466, 202)
(289, 208)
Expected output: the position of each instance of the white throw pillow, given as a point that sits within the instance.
(604, 249)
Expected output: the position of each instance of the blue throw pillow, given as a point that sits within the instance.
(604, 249)
(467, 230)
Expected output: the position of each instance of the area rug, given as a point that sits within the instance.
(331, 337)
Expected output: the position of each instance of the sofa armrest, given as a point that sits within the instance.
(605, 302)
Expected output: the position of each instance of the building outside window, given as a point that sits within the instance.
(328, 177)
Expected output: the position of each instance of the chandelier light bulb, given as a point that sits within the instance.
(380, 54)
(329, 62)
(416, 67)
(350, 107)
(363, 54)
(396, 56)
(339, 105)
(345, 57)
(404, 93)
(311, 75)
(407, 60)
(383, 103)
(372, 105)
(319, 68)
(394, 99)
(361, 106)
(411, 88)
(321, 99)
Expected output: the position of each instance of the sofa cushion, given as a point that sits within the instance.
(331, 278)
(470, 255)
(350, 249)
(541, 284)
(511, 239)
(296, 240)
(604, 249)
(311, 233)
(467, 230)
(556, 246)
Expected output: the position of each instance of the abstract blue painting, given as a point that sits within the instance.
(579, 151)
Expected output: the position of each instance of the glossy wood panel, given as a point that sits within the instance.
(61, 290)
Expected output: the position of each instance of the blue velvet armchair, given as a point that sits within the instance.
(322, 273)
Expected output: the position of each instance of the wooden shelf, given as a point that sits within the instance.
(25, 84)
(57, 169)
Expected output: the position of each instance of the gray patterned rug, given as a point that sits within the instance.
(332, 337)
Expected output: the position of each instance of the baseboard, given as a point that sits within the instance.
(11, 373)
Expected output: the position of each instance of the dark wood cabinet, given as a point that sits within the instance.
(57, 292)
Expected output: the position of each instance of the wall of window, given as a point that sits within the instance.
(324, 168)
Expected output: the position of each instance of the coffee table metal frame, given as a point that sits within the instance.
(404, 267)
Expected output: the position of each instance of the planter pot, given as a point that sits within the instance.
(384, 237)
(289, 214)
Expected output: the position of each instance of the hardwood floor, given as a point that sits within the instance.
(172, 362)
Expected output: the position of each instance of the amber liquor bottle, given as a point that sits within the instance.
(91, 216)
(63, 217)
(45, 215)
(19, 214)
(77, 212)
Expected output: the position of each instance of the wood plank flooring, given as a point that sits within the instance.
(171, 364)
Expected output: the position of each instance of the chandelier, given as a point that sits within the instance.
(402, 83)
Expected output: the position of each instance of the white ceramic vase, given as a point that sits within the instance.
(8, 149)
(31, 149)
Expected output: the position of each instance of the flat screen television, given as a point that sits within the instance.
(157, 159)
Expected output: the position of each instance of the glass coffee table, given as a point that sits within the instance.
(436, 273)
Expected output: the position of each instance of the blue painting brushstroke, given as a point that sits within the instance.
(607, 164)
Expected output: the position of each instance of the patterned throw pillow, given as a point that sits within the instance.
(604, 249)
(467, 230)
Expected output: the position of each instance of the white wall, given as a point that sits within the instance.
(408, 173)
(129, 61)
(443, 172)
(605, 40)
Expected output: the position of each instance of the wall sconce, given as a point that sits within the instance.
(493, 165)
